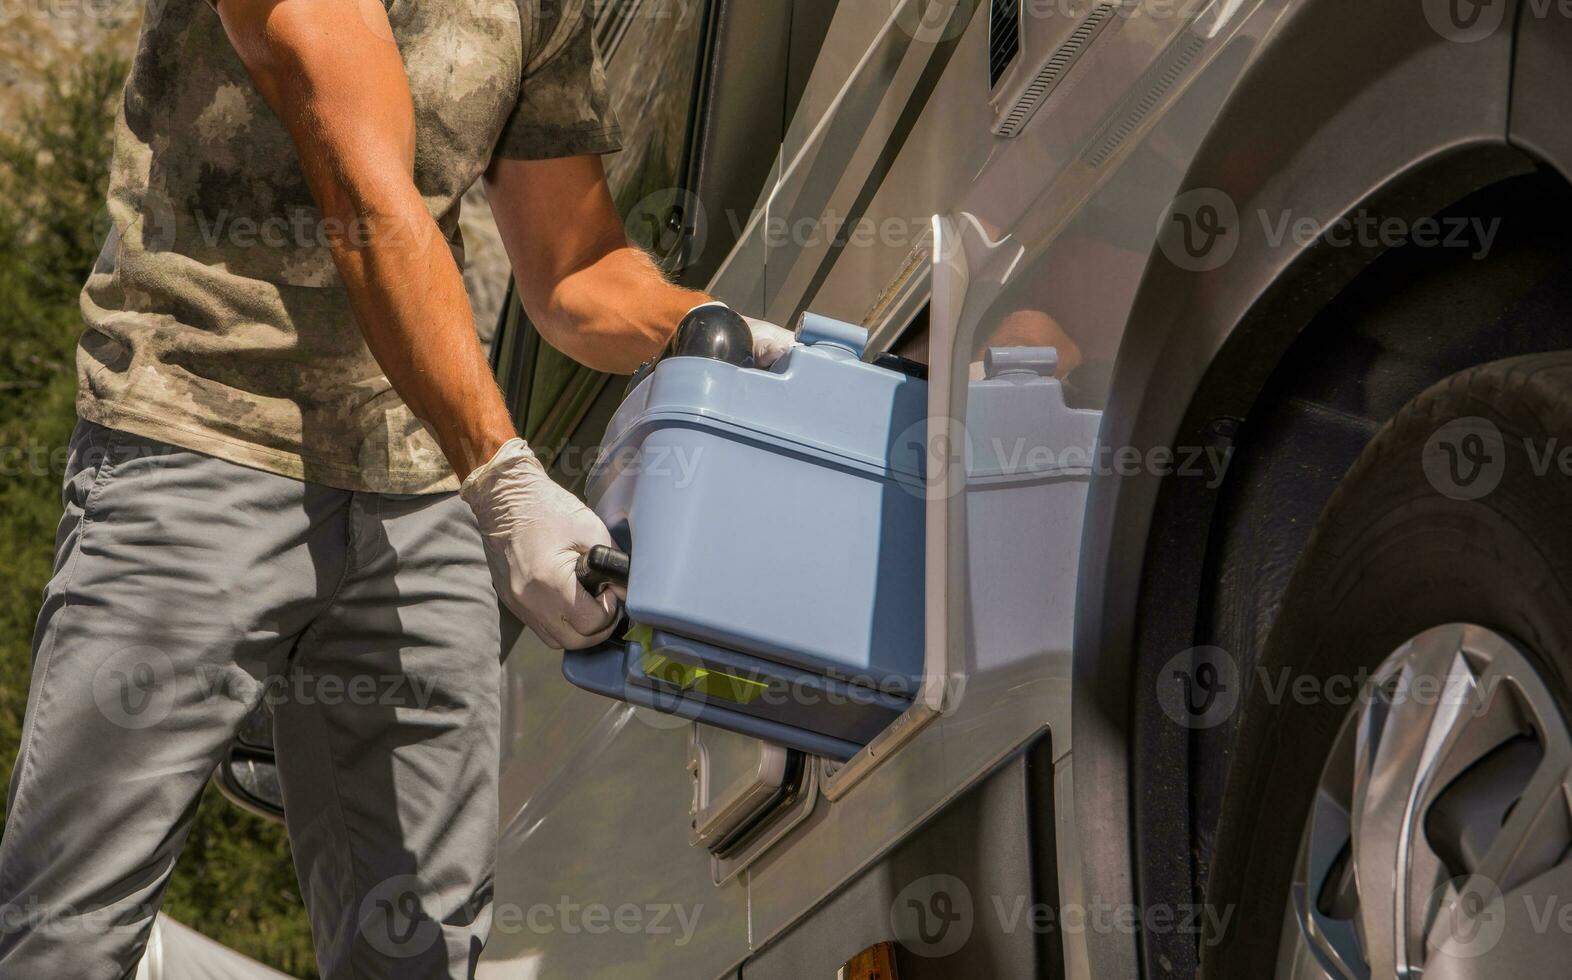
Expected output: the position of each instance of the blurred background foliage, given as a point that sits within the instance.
(235, 882)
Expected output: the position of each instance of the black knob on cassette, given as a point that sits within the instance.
(717, 332)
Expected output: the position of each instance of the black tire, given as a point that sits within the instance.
(1399, 549)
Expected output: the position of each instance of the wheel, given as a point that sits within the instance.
(1400, 802)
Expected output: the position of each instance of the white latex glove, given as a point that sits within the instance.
(769, 341)
(534, 532)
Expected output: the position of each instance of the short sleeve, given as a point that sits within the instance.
(563, 108)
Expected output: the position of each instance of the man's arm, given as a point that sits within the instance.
(592, 294)
(595, 297)
(330, 70)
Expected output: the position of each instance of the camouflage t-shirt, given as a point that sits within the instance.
(215, 316)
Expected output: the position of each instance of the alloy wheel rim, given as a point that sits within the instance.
(1439, 842)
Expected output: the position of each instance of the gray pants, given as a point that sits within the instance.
(186, 591)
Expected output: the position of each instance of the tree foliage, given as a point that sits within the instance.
(234, 882)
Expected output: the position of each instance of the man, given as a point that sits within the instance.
(281, 390)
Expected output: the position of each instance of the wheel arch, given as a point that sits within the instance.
(1541, 115)
(1201, 345)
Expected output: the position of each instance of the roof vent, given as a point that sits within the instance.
(1004, 37)
(1145, 95)
(1055, 68)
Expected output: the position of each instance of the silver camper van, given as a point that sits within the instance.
(1247, 620)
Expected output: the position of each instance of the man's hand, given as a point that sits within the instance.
(535, 532)
(331, 72)
(769, 341)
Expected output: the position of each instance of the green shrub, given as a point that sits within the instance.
(234, 881)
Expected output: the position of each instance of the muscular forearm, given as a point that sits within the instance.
(409, 299)
(614, 313)
(594, 296)
(341, 92)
